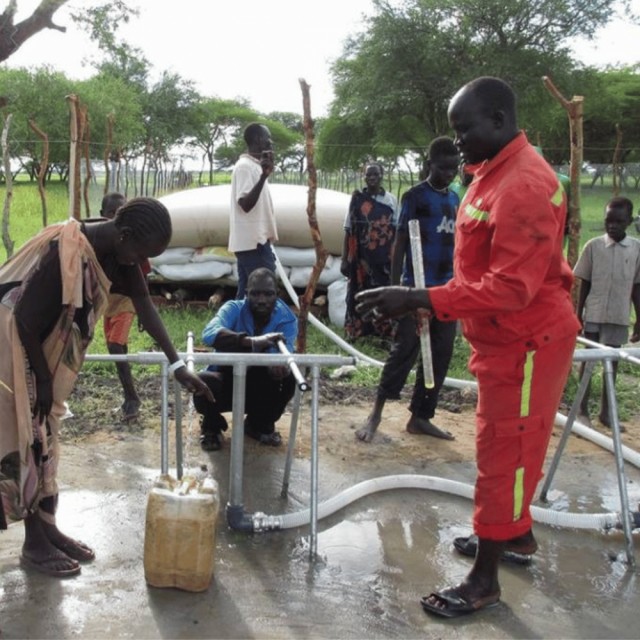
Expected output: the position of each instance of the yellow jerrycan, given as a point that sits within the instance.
(180, 533)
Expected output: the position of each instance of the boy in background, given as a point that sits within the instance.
(118, 318)
(609, 272)
(435, 206)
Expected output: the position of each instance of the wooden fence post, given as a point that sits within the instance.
(321, 252)
(86, 139)
(8, 196)
(42, 172)
(575, 110)
(74, 159)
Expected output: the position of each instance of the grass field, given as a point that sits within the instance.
(26, 220)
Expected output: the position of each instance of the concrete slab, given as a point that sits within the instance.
(377, 557)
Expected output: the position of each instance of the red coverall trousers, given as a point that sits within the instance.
(518, 396)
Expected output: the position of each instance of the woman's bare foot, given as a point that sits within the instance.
(55, 563)
(74, 549)
(39, 553)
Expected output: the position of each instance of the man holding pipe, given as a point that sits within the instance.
(511, 291)
(255, 324)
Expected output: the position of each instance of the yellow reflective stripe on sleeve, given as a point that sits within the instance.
(476, 214)
(525, 391)
(557, 196)
(518, 493)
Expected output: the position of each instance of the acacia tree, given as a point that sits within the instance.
(395, 79)
(613, 102)
(116, 106)
(14, 34)
(168, 120)
(217, 121)
(295, 155)
(38, 95)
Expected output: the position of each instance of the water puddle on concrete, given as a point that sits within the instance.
(376, 558)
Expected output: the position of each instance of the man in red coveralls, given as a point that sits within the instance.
(511, 290)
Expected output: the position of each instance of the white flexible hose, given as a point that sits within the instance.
(408, 481)
(433, 483)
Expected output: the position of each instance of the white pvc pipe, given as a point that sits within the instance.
(423, 321)
(629, 455)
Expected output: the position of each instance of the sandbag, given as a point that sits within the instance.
(173, 255)
(337, 294)
(196, 271)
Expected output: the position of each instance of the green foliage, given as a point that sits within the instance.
(167, 111)
(215, 122)
(38, 95)
(107, 96)
(26, 213)
(612, 103)
(395, 79)
(102, 22)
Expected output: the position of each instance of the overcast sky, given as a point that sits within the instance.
(255, 49)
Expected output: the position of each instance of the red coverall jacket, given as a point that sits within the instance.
(511, 290)
(511, 282)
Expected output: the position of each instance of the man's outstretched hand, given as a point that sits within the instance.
(262, 343)
(389, 302)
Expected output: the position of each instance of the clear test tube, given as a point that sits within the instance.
(418, 276)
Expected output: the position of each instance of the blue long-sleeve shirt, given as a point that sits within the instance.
(236, 316)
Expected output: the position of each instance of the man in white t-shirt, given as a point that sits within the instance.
(252, 225)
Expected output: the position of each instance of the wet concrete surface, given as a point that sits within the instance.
(377, 557)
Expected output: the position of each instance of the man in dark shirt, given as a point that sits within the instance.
(434, 205)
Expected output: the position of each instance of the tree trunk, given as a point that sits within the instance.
(42, 170)
(8, 196)
(107, 154)
(615, 164)
(321, 252)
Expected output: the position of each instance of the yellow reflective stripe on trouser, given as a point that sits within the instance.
(518, 493)
(525, 401)
(525, 391)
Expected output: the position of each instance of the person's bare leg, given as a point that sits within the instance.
(424, 427)
(73, 548)
(42, 553)
(368, 429)
(131, 404)
(604, 399)
(583, 413)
